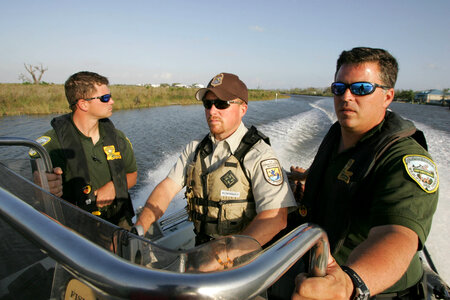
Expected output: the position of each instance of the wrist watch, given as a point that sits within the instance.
(137, 230)
(360, 289)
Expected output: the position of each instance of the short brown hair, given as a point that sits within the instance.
(81, 85)
(388, 64)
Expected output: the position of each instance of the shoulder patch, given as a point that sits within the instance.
(41, 140)
(423, 171)
(272, 171)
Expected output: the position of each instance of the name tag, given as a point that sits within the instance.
(230, 194)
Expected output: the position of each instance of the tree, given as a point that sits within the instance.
(36, 73)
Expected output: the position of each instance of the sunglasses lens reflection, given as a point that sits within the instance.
(219, 104)
(338, 88)
(361, 88)
(357, 88)
(105, 98)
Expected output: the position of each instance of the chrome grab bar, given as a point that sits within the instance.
(125, 279)
(17, 141)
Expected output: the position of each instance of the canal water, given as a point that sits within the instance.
(295, 127)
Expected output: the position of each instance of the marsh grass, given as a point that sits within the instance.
(19, 99)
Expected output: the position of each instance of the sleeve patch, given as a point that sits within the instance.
(43, 140)
(272, 171)
(423, 171)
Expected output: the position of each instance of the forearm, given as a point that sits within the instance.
(157, 203)
(266, 225)
(383, 258)
(131, 179)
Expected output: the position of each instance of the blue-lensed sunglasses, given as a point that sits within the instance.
(105, 98)
(357, 88)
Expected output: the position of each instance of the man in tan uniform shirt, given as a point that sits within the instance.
(225, 101)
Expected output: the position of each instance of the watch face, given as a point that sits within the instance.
(362, 293)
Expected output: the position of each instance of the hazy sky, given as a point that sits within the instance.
(269, 44)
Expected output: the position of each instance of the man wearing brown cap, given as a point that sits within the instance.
(234, 182)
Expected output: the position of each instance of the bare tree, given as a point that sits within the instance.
(36, 73)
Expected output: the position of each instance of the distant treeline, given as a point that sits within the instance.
(27, 99)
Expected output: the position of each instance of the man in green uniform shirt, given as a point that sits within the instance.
(94, 160)
(372, 186)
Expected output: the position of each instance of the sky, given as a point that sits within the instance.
(280, 44)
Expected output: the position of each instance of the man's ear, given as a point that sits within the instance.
(243, 107)
(389, 97)
(82, 105)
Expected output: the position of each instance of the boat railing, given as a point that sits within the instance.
(124, 279)
(106, 272)
(41, 164)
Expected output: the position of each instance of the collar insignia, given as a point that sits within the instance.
(345, 174)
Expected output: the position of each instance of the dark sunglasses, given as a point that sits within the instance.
(356, 88)
(219, 104)
(104, 98)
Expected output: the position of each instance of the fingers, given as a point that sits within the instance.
(57, 170)
(55, 182)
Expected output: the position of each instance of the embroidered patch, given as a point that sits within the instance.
(229, 194)
(111, 153)
(272, 171)
(345, 174)
(42, 140)
(229, 179)
(217, 80)
(423, 171)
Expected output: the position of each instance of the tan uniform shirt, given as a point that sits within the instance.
(268, 193)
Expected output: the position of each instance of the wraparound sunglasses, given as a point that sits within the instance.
(219, 104)
(357, 88)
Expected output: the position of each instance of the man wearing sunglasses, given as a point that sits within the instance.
(93, 160)
(372, 186)
(234, 182)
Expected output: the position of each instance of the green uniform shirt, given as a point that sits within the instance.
(95, 156)
(397, 199)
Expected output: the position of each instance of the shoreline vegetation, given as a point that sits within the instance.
(31, 99)
(43, 99)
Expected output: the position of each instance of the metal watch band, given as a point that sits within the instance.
(360, 289)
(139, 230)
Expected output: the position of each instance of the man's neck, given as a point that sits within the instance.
(348, 140)
(87, 126)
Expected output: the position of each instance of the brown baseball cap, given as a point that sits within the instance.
(225, 86)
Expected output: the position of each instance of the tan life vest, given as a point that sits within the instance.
(221, 202)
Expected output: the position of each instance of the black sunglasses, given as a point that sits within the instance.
(219, 104)
(104, 98)
(356, 88)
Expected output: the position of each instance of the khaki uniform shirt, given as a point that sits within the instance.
(267, 193)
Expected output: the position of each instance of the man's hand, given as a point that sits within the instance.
(105, 195)
(54, 181)
(335, 285)
(296, 179)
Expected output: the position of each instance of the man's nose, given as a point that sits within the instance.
(347, 96)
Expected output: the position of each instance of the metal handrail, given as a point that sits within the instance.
(17, 141)
(124, 279)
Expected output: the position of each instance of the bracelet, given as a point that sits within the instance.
(228, 263)
(360, 289)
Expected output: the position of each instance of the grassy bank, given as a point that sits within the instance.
(19, 99)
